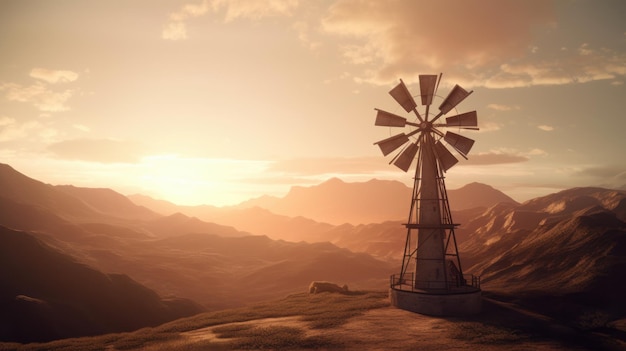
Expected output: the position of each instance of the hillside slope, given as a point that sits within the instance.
(354, 321)
(176, 255)
(565, 251)
(47, 295)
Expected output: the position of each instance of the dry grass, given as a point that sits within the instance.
(480, 333)
(327, 321)
(325, 310)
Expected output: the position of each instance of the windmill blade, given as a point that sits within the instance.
(388, 145)
(384, 118)
(405, 159)
(467, 119)
(402, 95)
(457, 94)
(459, 142)
(427, 88)
(445, 157)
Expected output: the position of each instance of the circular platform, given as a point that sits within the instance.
(461, 302)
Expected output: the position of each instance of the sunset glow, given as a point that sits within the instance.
(215, 102)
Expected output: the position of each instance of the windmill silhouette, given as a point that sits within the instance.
(431, 279)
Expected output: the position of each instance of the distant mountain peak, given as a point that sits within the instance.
(336, 201)
(333, 180)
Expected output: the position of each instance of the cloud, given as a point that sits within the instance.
(190, 10)
(499, 107)
(495, 158)
(303, 29)
(370, 165)
(11, 130)
(5, 121)
(98, 150)
(467, 40)
(53, 76)
(81, 127)
(254, 9)
(604, 172)
(329, 165)
(584, 66)
(39, 95)
(174, 31)
(176, 26)
(546, 128)
(408, 37)
(613, 177)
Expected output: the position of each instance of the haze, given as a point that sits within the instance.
(217, 102)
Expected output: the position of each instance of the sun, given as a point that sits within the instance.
(199, 181)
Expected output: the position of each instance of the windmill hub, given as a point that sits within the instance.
(431, 279)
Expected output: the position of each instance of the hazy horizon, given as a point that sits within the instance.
(216, 102)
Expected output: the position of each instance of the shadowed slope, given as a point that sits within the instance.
(565, 252)
(69, 202)
(46, 295)
(108, 202)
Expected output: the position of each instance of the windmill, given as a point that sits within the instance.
(431, 279)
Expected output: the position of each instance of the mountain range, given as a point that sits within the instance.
(337, 202)
(563, 254)
(169, 257)
(560, 251)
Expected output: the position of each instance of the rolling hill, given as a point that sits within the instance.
(176, 255)
(47, 295)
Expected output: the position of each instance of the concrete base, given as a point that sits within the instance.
(460, 303)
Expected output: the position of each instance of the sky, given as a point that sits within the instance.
(215, 102)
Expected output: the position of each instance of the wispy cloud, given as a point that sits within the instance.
(495, 158)
(98, 150)
(5, 121)
(329, 165)
(472, 35)
(388, 40)
(584, 65)
(613, 177)
(546, 128)
(176, 26)
(500, 107)
(43, 94)
(12, 130)
(603, 171)
(254, 9)
(53, 76)
(39, 95)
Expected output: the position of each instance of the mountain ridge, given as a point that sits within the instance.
(337, 202)
(143, 248)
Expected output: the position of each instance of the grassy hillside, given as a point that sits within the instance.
(321, 311)
(354, 321)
